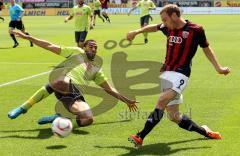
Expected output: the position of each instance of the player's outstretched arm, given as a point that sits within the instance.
(68, 18)
(213, 59)
(112, 91)
(153, 6)
(130, 11)
(149, 28)
(39, 42)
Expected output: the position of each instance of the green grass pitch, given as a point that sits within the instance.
(213, 99)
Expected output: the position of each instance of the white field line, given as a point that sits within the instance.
(23, 79)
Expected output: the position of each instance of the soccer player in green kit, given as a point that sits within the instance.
(81, 13)
(97, 11)
(68, 87)
(145, 6)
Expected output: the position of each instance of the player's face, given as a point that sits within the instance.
(80, 2)
(167, 20)
(91, 50)
(12, 2)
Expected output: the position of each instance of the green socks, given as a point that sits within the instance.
(41, 94)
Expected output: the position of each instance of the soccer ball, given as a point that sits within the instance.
(62, 127)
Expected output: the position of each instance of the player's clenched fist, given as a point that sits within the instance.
(224, 70)
(131, 35)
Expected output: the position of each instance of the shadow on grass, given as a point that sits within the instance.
(111, 122)
(157, 149)
(43, 133)
(56, 147)
(138, 43)
(47, 132)
(6, 47)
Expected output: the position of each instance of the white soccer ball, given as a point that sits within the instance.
(62, 127)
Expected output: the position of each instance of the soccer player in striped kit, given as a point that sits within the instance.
(183, 38)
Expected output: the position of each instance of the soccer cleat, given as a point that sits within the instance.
(145, 40)
(31, 44)
(211, 134)
(136, 140)
(16, 112)
(15, 45)
(47, 119)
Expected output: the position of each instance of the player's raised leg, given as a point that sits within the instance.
(83, 112)
(154, 118)
(42, 93)
(78, 107)
(48, 119)
(186, 123)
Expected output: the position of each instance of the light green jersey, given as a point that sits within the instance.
(81, 15)
(80, 69)
(97, 5)
(144, 6)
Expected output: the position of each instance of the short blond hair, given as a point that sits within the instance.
(170, 9)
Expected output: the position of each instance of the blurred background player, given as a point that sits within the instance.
(97, 11)
(16, 13)
(104, 4)
(81, 14)
(68, 87)
(145, 6)
(1, 7)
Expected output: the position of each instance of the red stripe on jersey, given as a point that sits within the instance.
(187, 49)
(169, 48)
(176, 51)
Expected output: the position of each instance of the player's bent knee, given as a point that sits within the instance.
(162, 101)
(84, 121)
(174, 117)
(60, 86)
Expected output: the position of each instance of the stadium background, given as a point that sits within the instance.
(61, 7)
(213, 99)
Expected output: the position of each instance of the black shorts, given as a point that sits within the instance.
(96, 12)
(80, 36)
(16, 24)
(69, 99)
(144, 19)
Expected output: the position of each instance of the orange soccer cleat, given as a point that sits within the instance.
(136, 140)
(211, 134)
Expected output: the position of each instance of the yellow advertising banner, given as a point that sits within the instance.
(42, 12)
(227, 3)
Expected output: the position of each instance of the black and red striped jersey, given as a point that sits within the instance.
(182, 45)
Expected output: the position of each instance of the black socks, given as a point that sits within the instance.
(152, 121)
(189, 125)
